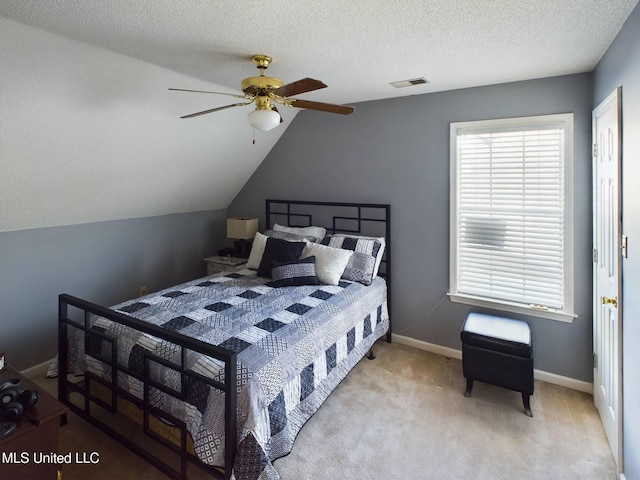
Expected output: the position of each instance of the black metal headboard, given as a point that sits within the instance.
(370, 219)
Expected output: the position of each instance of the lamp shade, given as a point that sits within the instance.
(242, 228)
(264, 119)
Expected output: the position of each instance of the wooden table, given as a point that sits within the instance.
(25, 453)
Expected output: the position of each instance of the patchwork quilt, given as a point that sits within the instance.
(294, 345)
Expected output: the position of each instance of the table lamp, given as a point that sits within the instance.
(242, 230)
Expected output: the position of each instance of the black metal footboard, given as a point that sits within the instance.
(94, 408)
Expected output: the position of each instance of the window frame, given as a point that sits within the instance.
(566, 314)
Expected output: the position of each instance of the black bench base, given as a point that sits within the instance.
(525, 398)
(497, 361)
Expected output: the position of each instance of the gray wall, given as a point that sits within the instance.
(397, 151)
(104, 262)
(621, 67)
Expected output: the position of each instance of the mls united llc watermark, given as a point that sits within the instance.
(50, 458)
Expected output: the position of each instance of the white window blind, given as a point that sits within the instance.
(509, 217)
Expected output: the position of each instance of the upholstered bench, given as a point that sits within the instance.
(498, 351)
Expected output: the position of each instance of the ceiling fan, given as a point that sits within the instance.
(266, 91)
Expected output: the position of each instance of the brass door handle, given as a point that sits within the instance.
(610, 301)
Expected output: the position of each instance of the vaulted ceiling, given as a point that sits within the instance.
(92, 99)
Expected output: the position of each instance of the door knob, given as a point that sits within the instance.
(610, 301)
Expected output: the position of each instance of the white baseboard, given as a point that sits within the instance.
(457, 354)
(429, 347)
(568, 382)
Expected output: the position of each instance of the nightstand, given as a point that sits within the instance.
(34, 437)
(218, 264)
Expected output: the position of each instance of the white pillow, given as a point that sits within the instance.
(257, 250)
(317, 232)
(380, 252)
(330, 262)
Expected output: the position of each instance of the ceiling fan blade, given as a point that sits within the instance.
(298, 87)
(216, 109)
(204, 91)
(323, 107)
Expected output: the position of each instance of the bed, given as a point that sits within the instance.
(223, 371)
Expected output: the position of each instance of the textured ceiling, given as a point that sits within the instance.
(356, 47)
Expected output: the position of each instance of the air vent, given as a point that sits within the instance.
(410, 83)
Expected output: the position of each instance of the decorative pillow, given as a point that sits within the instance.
(260, 241)
(317, 232)
(292, 237)
(362, 264)
(257, 250)
(330, 262)
(380, 253)
(278, 251)
(301, 272)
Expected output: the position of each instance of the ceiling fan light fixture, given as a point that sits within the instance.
(264, 119)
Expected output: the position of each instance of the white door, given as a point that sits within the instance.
(607, 331)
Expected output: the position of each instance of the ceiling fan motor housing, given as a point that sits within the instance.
(255, 85)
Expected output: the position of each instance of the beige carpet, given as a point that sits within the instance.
(404, 416)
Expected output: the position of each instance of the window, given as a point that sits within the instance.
(511, 215)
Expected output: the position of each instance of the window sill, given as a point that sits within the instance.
(512, 307)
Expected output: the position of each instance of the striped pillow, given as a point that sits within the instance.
(301, 272)
(362, 264)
